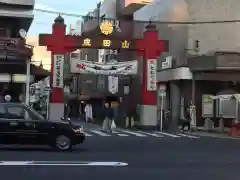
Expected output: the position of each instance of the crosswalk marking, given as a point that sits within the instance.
(138, 133)
(189, 136)
(100, 133)
(119, 134)
(87, 134)
(134, 133)
(168, 134)
(151, 134)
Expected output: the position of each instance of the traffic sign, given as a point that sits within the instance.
(162, 87)
(162, 90)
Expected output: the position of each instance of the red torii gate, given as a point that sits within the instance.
(59, 44)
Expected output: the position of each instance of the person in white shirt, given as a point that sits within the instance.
(88, 112)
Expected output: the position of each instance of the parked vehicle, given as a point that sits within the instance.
(20, 124)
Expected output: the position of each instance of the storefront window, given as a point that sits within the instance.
(226, 108)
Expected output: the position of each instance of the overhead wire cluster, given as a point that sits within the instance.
(155, 22)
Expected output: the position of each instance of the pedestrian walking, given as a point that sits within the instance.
(88, 113)
(107, 122)
(186, 121)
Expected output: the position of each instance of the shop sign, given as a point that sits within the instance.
(113, 84)
(58, 71)
(151, 75)
(167, 63)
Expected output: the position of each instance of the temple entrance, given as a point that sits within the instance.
(149, 47)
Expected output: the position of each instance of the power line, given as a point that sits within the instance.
(57, 12)
(138, 21)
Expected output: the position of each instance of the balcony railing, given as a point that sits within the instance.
(13, 49)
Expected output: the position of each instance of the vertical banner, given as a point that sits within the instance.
(151, 75)
(58, 71)
(113, 84)
(100, 82)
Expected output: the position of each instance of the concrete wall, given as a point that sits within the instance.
(166, 10)
(108, 8)
(212, 37)
(76, 28)
(215, 37)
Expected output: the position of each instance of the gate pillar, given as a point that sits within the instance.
(59, 44)
(150, 48)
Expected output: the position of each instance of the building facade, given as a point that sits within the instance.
(15, 15)
(203, 59)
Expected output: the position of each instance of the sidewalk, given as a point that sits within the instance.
(215, 133)
(212, 134)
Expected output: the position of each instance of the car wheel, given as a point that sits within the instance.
(63, 143)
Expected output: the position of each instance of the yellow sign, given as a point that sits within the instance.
(207, 99)
(106, 27)
(87, 42)
(106, 43)
(125, 44)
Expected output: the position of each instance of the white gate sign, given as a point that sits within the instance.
(113, 84)
(151, 75)
(58, 71)
(111, 68)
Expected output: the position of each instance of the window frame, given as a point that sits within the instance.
(25, 108)
(219, 107)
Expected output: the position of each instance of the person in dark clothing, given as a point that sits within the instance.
(109, 115)
(186, 121)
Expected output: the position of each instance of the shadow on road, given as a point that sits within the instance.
(37, 149)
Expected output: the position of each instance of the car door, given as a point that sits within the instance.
(8, 127)
(28, 124)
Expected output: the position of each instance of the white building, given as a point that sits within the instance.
(196, 71)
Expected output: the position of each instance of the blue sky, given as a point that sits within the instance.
(43, 21)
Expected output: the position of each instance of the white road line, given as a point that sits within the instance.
(100, 133)
(151, 134)
(120, 134)
(133, 133)
(168, 134)
(14, 163)
(60, 163)
(189, 136)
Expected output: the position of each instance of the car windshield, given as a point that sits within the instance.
(35, 112)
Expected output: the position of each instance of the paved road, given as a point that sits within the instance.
(147, 158)
(136, 133)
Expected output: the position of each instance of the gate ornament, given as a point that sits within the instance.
(125, 44)
(106, 27)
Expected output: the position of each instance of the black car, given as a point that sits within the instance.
(20, 124)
